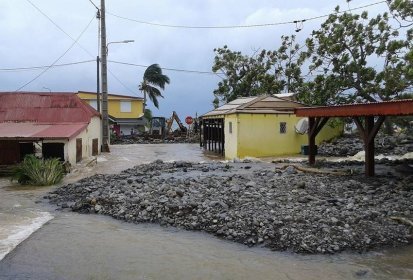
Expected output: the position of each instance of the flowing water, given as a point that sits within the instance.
(65, 245)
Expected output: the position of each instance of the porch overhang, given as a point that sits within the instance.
(318, 117)
(37, 131)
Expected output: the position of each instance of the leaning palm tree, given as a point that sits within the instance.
(152, 79)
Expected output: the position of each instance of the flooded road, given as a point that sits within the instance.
(75, 246)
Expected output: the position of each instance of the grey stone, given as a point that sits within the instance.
(290, 170)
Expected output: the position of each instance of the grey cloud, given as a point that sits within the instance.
(29, 39)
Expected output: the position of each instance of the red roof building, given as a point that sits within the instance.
(44, 117)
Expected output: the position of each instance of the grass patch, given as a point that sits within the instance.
(38, 172)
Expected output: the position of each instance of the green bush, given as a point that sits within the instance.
(38, 172)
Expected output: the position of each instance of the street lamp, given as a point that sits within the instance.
(118, 42)
(98, 70)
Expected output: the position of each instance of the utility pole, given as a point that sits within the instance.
(104, 75)
(97, 85)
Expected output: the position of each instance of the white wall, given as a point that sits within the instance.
(92, 131)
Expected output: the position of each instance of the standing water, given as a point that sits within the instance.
(75, 246)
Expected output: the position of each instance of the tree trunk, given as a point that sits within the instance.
(144, 101)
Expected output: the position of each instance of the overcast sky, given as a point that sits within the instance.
(28, 38)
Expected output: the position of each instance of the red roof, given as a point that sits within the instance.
(43, 131)
(44, 108)
(386, 108)
(35, 115)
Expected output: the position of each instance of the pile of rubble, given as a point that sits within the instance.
(254, 204)
(145, 139)
(349, 145)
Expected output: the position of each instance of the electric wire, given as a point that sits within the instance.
(75, 42)
(94, 4)
(122, 83)
(33, 68)
(166, 68)
(238, 26)
(170, 26)
(57, 26)
(57, 60)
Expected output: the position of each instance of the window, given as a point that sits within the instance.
(93, 103)
(230, 127)
(283, 127)
(125, 106)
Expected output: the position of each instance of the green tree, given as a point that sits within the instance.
(147, 115)
(402, 11)
(358, 59)
(264, 72)
(153, 82)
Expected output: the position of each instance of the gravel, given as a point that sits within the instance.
(253, 204)
(135, 139)
(351, 144)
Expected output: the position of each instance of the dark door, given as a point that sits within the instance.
(78, 149)
(53, 150)
(95, 147)
(9, 152)
(26, 149)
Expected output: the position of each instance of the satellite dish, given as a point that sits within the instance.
(301, 127)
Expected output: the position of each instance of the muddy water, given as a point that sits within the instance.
(74, 246)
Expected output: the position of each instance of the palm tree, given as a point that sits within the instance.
(152, 79)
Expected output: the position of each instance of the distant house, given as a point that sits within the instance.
(125, 112)
(262, 126)
(58, 125)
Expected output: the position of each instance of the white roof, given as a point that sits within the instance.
(264, 104)
(285, 95)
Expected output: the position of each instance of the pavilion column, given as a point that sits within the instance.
(219, 135)
(205, 133)
(369, 147)
(209, 135)
(215, 135)
(201, 132)
(223, 136)
(314, 127)
(368, 133)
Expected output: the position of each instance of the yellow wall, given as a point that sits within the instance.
(114, 105)
(258, 135)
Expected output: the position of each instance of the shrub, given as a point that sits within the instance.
(39, 172)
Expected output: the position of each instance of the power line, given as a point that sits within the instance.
(58, 27)
(75, 41)
(117, 79)
(94, 4)
(165, 68)
(57, 60)
(18, 69)
(239, 26)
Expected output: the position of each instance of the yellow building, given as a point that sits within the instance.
(125, 112)
(261, 126)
